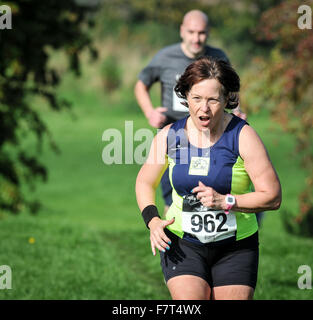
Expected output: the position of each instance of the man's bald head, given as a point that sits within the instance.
(195, 15)
(194, 31)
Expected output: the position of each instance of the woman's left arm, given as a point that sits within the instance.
(267, 194)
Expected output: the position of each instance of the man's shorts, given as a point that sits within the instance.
(219, 264)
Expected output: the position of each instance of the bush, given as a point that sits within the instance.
(111, 73)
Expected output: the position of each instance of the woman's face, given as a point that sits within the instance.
(206, 104)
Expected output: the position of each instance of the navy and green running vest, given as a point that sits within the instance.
(226, 174)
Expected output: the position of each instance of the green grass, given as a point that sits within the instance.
(90, 241)
(74, 262)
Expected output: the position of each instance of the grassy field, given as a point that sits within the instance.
(89, 242)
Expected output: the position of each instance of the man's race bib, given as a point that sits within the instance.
(177, 104)
(206, 224)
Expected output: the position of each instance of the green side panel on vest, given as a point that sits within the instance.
(241, 183)
(176, 207)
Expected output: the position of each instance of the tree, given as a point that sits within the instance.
(286, 79)
(38, 28)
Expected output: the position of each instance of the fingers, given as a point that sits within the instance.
(205, 194)
(161, 243)
(200, 187)
(201, 184)
(161, 109)
(159, 240)
(206, 200)
(208, 195)
(153, 248)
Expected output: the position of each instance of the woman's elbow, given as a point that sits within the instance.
(277, 204)
(277, 201)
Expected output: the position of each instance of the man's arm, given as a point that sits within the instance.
(155, 116)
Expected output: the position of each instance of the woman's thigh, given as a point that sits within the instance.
(236, 269)
(189, 287)
(233, 292)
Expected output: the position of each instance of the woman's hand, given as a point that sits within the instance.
(209, 197)
(158, 238)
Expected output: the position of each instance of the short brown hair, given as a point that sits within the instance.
(209, 68)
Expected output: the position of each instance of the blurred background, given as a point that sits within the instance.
(70, 227)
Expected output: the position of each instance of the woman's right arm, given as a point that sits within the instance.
(152, 170)
(147, 181)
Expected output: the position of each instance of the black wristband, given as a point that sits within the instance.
(148, 213)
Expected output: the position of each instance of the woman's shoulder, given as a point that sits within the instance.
(249, 141)
(164, 131)
(247, 131)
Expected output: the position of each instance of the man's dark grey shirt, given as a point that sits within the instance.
(167, 66)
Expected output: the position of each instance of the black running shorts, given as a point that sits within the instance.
(227, 263)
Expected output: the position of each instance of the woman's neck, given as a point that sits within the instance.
(207, 138)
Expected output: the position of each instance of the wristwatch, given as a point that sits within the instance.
(230, 202)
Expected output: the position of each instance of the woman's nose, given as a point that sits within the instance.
(205, 107)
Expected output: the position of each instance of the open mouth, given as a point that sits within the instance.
(204, 118)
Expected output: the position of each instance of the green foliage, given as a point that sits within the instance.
(234, 23)
(286, 80)
(148, 36)
(301, 226)
(39, 28)
(169, 12)
(111, 73)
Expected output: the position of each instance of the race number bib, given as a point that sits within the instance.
(206, 224)
(199, 166)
